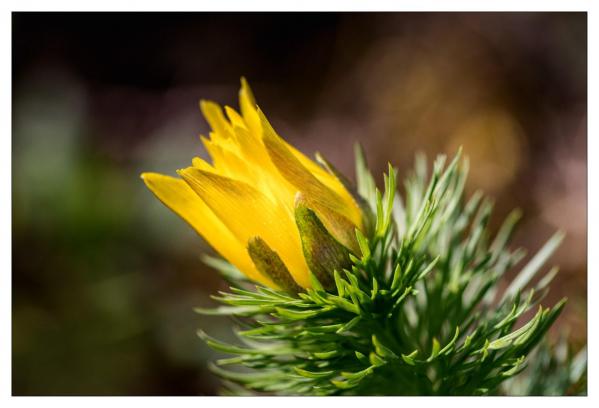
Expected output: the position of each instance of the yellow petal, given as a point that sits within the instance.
(331, 182)
(181, 199)
(259, 125)
(234, 117)
(249, 163)
(251, 114)
(247, 104)
(242, 156)
(202, 164)
(252, 149)
(247, 91)
(292, 168)
(227, 162)
(215, 117)
(247, 213)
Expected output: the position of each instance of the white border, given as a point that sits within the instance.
(308, 5)
(303, 5)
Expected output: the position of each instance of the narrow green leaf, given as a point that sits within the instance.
(339, 283)
(396, 277)
(505, 232)
(382, 350)
(506, 340)
(358, 376)
(380, 220)
(344, 384)
(324, 355)
(375, 288)
(343, 304)
(349, 325)
(448, 346)
(316, 285)
(301, 314)
(409, 359)
(533, 266)
(363, 244)
(518, 367)
(227, 310)
(435, 350)
(375, 360)
(364, 180)
(312, 374)
(361, 357)
(428, 268)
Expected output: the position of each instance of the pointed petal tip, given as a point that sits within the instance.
(183, 172)
(147, 179)
(150, 180)
(246, 91)
(190, 170)
(151, 177)
(187, 171)
(206, 104)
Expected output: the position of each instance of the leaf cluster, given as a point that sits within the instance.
(420, 311)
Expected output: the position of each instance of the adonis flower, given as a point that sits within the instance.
(378, 293)
(263, 205)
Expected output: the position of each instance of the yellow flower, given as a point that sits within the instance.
(245, 204)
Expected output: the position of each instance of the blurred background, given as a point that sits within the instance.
(105, 277)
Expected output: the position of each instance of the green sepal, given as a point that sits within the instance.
(270, 264)
(323, 253)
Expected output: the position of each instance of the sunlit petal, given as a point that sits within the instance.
(182, 200)
(248, 213)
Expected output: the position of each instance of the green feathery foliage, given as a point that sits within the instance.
(419, 312)
(553, 370)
